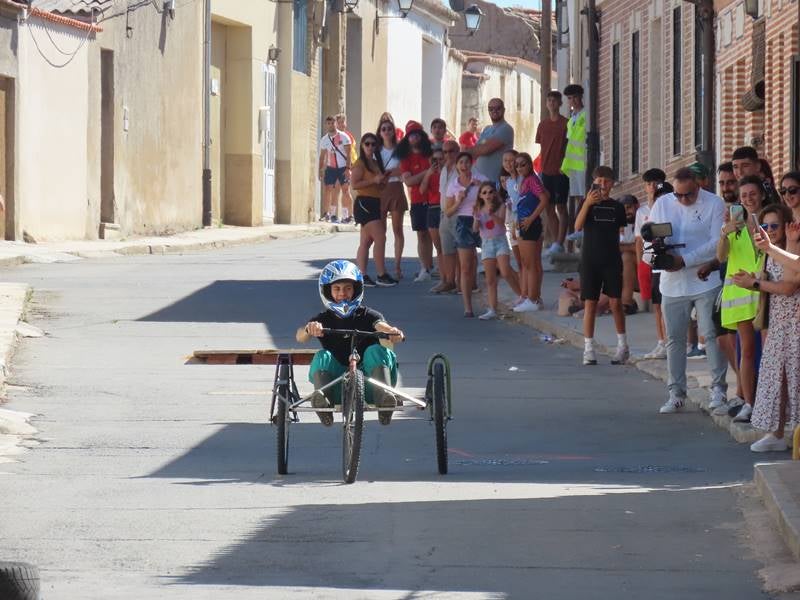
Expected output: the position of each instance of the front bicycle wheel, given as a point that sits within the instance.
(353, 417)
(440, 416)
(283, 418)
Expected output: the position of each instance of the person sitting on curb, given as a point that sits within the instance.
(570, 303)
(602, 218)
(341, 289)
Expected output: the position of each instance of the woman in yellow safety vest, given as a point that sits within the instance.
(739, 305)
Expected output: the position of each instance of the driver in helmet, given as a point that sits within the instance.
(341, 288)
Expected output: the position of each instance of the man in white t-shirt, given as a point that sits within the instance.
(696, 217)
(334, 165)
(655, 185)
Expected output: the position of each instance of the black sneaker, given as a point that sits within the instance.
(386, 280)
(368, 282)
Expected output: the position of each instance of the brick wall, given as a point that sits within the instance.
(768, 130)
(653, 21)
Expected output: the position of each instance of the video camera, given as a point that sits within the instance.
(655, 234)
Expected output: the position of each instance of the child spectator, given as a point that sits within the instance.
(490, 221)
(601, 218)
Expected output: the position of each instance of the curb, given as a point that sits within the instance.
(772, 484)
(179, 245)
(697, 396)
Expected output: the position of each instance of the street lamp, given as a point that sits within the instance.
(472, 18)
(350, 5)
(403, 6)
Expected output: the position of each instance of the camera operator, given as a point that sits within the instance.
(696, 216)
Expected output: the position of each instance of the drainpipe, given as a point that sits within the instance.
(206, 113)
(706, 153)
(546, 54)
(592, 133)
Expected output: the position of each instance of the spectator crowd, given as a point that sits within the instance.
(720, 271)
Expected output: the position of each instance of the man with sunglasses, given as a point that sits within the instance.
(696, 216)
(495, 139)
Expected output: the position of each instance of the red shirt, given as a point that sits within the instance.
(434, 196)
(415, 164)
(552, 137)
(468, 140)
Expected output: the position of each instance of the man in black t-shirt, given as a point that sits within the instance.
(601, 218)
(341, 288)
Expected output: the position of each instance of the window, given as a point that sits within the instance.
(533, 99)
(635, 78)
(698, 83)
(519, 92)
(615, 141)
(676, 80)
(300, 37)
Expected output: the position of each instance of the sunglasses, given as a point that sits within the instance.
(519, 165)
(791, 191)
(770, 226)
(369, 144)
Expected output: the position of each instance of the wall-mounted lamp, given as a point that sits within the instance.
(472, 22)
(273, 53)
(404, 6)
(169, 8)
(751, 8)
(350, 5)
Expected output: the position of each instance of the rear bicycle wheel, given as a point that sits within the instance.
(353, 417)
(283, 418)
(440, 416)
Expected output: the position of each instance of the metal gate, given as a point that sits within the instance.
(268, 141)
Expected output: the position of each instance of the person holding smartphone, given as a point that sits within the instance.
(601, 219)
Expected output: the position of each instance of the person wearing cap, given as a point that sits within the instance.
(494, 141)
(414, 152)
(655, 185)
(574, 163)
(627, 247)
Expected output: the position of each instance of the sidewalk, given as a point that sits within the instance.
(778, 482)
(15, 430)
(15, 253)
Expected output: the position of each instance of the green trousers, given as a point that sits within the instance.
(375, 356)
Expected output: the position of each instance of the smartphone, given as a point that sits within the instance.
(736, 212)
(595, 186)
(756, 224)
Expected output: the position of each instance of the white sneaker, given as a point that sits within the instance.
(554, 248)
(725, 409)
(673, 405)
(744, 414)
(526, 306)
(659, 352)
(718, 398)
(589, 356)
(621, 356)
(519, 300)
(423, 275)
(488, 315)
(769, 443)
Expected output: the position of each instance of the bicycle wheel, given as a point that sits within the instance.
(283, 418)
(353, 417)
(440, 416)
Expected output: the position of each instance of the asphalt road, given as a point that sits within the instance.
(156, 479)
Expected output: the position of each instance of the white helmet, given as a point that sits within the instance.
(341, 270)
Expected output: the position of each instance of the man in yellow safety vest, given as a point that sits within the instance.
(574, 163)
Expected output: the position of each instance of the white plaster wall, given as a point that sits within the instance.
(405, 66)
(52, 188)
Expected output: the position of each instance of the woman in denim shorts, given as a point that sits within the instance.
(490, 221)
(461, 196)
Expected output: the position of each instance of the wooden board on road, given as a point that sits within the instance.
(300, 356)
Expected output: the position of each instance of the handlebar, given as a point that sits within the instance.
(380, 335)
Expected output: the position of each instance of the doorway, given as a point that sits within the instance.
(431, 89)
(354, 73)
(268, 141)
(7, 158)
(107, 136)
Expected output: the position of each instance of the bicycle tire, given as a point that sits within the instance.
(440, 416)
(282, 420)
(353, 425)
